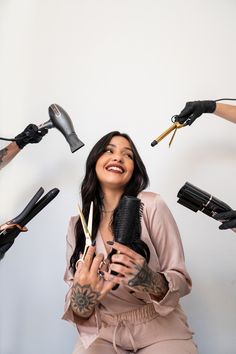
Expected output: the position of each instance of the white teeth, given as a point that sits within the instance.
(115, 168)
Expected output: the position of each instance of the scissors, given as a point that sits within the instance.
(87, 229)
(174, 126)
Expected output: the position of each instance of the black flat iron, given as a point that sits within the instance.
(12, 228)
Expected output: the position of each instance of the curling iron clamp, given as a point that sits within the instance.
(173, 127)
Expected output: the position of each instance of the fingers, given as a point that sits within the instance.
(229, 217)
(108, 285)
(122, 270)
(190, 113)
(113, 279)
(88, 259)
(228, 224)
(104, 265)
(126, 260)
(187, 111)
(226, 215)
(43, 131)
(124, 250)
(95, 266)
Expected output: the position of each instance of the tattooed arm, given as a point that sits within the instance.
(134, 272)
(89, 285)
(8, 153)
(84, 300)
(148, 281)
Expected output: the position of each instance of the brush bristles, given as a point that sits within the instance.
(126, 226)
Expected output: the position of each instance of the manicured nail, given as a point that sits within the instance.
(110, 242)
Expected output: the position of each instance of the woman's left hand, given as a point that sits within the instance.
(134, 271)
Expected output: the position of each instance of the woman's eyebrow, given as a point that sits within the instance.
(125, 148)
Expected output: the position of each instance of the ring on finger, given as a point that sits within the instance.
(77, 263)
(100, 274)
(104, 263)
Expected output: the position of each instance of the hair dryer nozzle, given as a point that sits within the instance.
(74, 142)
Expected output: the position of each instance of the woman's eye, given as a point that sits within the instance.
(108, 151)
(130, 156)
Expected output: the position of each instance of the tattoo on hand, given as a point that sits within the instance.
(83, 300)
(149, 281)
(3, 153)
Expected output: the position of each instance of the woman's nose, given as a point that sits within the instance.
(117, 157)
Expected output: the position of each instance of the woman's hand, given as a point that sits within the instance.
(134, 271)
(89, 284)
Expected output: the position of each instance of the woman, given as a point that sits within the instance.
(143, 315)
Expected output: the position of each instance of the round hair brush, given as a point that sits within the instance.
(126, 227)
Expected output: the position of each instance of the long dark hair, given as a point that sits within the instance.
(91, 190)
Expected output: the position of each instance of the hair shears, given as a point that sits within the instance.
(87, 229)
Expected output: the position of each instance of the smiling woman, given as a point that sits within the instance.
(142, 314)
(115, 166)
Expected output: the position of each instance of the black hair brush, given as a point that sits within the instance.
(126, 227)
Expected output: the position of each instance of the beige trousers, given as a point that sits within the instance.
(184, 346)
(135, 332)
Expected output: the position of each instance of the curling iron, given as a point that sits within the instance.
(60, 120)
(176, 125)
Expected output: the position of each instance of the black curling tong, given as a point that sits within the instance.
(12, 228)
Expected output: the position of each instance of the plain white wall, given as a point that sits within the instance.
(128, 65)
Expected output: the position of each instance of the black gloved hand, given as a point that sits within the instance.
(6, 241)
(195, 109)
(31, 135)
(229, 217)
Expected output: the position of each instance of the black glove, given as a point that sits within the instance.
(229, 217)
(195, 109)
(6, 241)
(31, 135)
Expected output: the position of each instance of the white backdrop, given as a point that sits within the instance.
(128, 65)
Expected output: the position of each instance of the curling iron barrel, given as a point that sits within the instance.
(196, 199)
(174, 127)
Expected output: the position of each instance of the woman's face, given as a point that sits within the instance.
(115, 166)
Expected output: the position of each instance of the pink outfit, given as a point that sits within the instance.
(135, 320)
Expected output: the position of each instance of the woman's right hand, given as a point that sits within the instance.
(89, 284)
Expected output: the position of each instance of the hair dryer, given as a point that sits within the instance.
(60, 119)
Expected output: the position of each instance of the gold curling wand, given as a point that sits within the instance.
(175, 126)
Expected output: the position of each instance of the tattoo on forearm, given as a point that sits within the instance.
(149, 281)
(3, 153)
(83, 300)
